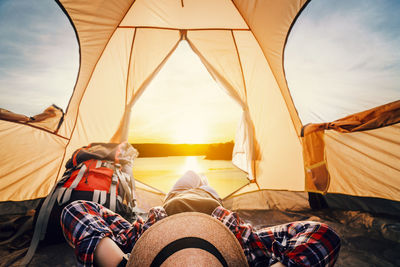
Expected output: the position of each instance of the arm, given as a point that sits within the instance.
(97, 233)
(302, 243)
(292, 244)
(94, 231)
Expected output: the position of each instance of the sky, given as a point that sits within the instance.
(342, 57)
(39, 56)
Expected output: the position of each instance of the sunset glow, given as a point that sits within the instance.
(184, 105)
(191, 133)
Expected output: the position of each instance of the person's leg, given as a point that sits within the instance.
(191, 180)
(278, 264)
(89, 228)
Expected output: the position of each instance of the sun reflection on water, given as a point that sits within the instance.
(192, 163)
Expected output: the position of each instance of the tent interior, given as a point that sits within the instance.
(344, 172)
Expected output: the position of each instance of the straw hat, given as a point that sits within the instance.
(187, 239)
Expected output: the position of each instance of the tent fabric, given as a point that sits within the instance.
(30, 163)
(270, 22)
(50, 119)
(381, 116)
(365, 163)
(94, 23)
(187, 14)
(11, 116)
(375, 147)
(316, 171)
(123, 45)
(268, 200)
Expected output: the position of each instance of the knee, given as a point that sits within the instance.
(77, 209)
(77, 214)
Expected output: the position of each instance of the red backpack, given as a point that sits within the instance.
(99, 172)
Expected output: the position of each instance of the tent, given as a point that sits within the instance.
(124, 43)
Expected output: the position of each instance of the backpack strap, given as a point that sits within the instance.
(124, 181)
(99, 196)
(96, 196)
(41, 224)
(103, 197)
(60, 193)
(98, 163)
(78, 178)
(113, 191)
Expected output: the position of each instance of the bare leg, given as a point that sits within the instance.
(107, 253)
(278, 264)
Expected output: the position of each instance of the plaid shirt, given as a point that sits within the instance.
(300, 243)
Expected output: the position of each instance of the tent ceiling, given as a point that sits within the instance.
(185, 14)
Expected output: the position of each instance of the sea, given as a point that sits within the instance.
(162, 172)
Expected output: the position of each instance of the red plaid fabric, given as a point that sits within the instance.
(302, 243)
(294, 244)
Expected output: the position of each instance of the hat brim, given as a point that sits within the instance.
(180, 236)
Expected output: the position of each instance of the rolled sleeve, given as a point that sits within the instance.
(303, 243)
(85, 223)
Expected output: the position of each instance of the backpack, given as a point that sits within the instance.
(99, 172)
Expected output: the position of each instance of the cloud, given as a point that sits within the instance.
(38, 56)
(342, 57)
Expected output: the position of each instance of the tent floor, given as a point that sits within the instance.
(366, 240)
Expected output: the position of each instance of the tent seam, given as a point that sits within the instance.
(237, 190)
(359, 151)
(141, 89)
(265, 189)
(91, 74)
(81, 98)
(361, 196)
(38, 128)
(80, 52)
(129, 65)
(245, 91)
(152, 187)
(283, 54)
(184, 29)
(274, 74)
(240, 65)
